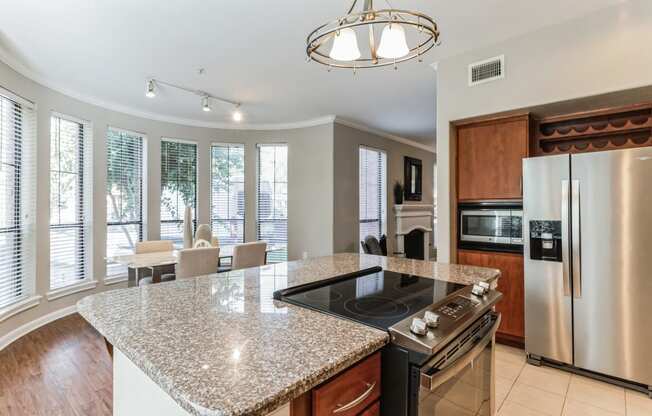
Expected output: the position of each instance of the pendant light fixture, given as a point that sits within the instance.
(206, 98)
(405, 35)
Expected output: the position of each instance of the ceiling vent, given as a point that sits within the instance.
(486, 71)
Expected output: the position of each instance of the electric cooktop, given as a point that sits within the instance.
(374, 297)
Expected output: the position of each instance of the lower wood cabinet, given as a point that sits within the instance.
(512, 286)
(353, 392)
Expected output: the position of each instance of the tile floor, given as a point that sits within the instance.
(526, 390)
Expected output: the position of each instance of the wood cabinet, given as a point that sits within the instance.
(489, 158)
(511, 284)
(353, 392)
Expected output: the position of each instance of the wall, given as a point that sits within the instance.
(347, 141)
(600, 53)
(310, 167)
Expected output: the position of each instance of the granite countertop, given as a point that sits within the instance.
(220, 345)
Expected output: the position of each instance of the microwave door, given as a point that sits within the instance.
(486, 226)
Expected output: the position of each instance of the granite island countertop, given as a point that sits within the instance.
(220, 344)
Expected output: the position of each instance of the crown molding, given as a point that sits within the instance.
(403, 140)
(21, 69)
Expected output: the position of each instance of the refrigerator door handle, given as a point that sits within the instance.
(565, 218)
(576, 237)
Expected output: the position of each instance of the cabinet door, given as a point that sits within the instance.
(510, 284)
(489, 159)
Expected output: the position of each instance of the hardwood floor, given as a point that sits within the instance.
(62, 368)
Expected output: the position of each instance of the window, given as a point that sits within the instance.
(272, 196)
(227, 193)
(178, 187)
(124, 195)
(373, 192)
(17, 203)
(69, 201)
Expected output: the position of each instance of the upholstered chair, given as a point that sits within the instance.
(249, 255)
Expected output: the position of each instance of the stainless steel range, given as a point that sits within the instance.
(440, 358)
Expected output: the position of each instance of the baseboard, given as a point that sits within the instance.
(35, 324)
(510, 340)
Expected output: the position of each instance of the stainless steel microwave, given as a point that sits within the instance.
(492, 227)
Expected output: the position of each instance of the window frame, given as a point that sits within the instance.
(229, 145)
(141, 223)
(84, 207)
(382, 200)
(196, 183)
(271, 255)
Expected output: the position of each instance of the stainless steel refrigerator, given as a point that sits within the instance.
(588, 261)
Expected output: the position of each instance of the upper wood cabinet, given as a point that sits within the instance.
(489, 158)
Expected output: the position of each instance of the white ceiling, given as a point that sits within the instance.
(252, 51)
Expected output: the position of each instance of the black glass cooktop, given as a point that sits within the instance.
(373, 297)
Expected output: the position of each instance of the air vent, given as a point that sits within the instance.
(488, 70)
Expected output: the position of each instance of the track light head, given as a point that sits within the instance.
(150, 92)
(237, 114)
(205, 103)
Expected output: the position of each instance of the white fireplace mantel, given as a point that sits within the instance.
(410, 217)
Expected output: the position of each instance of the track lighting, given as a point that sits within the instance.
(205, 103)
(151, 89)
(206, 98)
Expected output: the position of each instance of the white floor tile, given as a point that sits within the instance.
(597, 393)
(515, 409)
(510, 354)
(536, 399)
(638, 404)
(545, 378)
(508, 370)
(575, 408)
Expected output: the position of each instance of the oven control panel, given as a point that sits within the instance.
(457, 307)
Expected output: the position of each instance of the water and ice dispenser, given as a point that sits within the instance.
(545, 240)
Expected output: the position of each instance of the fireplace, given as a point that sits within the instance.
(413, 230)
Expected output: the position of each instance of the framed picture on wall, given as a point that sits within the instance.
(412, 177)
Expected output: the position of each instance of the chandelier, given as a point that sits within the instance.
(398, 26)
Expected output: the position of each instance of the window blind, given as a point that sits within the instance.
(17, 199)
(70, 160)
(178, 187)
(124, 195)
(372, 192)
(272, 197)
(227, 193)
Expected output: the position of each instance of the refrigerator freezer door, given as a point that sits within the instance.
(548, 302)
(613, 309)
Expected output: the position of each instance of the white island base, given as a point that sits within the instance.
(134, 393)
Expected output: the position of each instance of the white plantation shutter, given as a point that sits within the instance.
(17, 198)
(124, 195)
(227, 192)
(178, 187)
(272, 197)
(70, 197)
(373, 192)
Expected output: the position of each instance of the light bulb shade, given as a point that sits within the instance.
(345, 46)
(151, 89)
(393, 44)
(237, 115)
(205, 104)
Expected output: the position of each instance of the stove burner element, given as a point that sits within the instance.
(376, 307)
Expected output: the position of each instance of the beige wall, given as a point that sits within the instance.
(310, 166)
(603, 52)
(345, 200)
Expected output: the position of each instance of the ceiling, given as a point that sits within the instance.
(252, 51)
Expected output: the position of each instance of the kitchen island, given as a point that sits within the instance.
(220, 344)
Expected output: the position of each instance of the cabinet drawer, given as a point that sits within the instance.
(348, 393)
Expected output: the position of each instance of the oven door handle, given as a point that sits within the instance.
(432, 381)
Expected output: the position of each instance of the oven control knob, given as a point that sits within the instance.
(418, 326)
(478, 290)
(432, 319)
